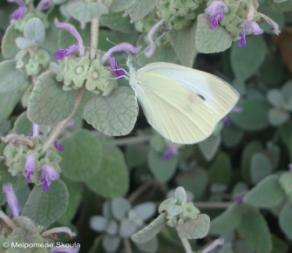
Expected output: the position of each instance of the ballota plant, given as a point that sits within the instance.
(213, 171)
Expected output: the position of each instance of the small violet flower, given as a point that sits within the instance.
(249, 27)
(226, 119)
(290, 166)
(63, 249)
(20, 11)
(29, 167)
(216, 12)
(11, 199)
(58, 146)
(35, 130)
(48, 175)
(44, 5)
(79, 46)
(120, 48)
(149, 51)
(170, 152)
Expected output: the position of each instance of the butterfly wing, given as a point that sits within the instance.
(184, 105)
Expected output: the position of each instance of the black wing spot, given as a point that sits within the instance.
(201, 97)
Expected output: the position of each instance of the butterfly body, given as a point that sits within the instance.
(184, 105)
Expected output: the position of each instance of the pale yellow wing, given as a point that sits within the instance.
(176, 110)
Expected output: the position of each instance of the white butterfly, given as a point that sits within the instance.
(184, 105)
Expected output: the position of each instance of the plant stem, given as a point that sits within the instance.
(60, 127)
(7, 220)
(59, 230)
(213, 205)
(185, 242)
(128, 247)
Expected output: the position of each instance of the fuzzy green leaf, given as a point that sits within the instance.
(285, 220)
(11, 78)
(114, 115)
(8, 45)
(267, 193)
(48, 103)
(82, 156)
(210, 146)
(163, 170)
(246, 61)
(113, 179)
(44, 208)
(211, 41)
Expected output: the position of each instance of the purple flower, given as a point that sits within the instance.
(20, 11)
(116, 69)
(48, 175)
(11, 199)
(58, 146)
(238, 199)
(170, 152)
(29, 167)
(290, 166)
(249, 27)
(120, 48)
(44, 5)
(63, 249)
(216, 12)
(79, 46)
(226, 119)
(35, 130)
(149, 51)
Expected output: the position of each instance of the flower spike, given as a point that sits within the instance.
(48, 176)
(11, 199)
(29, 167)
(79, 46)
(20, 12)
(216, 12)
(44, 5)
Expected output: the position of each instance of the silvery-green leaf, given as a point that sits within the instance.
(285, 180)
(195, 229)
(114, 115)
(8, 101)
(183, 43)
(121, 5)
(267, 193)
(148, 247)
(276, 98)
(117, 22)
(278, 117)
(112, 227)
(45, 208)
(82, 156)
(150, 231)
(111, 243)
(145, 210)
(261, 166)
(285, 220)
(287, 93)
(246, 61)
(34, 30)
(141, 9)
(120, 208)
(113, 179)
(11, 78)
(106, 210)
(210, 146)
(127, 228)
(48, 103)
(162, 169)
(85, 11)
(8, 46)
(24, 43)
(98, 223)
(207, 40)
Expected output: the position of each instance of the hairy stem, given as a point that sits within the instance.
(60, 127)
(59, 230)
(93, 49)
(7, 220)
(128, 247)
(185, 242)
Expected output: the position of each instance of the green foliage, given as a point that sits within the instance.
(46, 208)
